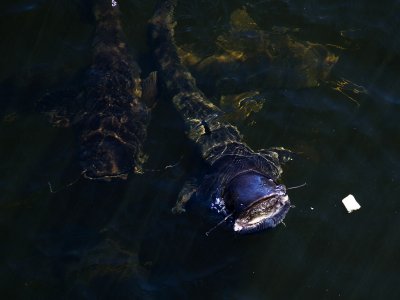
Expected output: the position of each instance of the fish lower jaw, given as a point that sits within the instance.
(262, 221)
(239, 225)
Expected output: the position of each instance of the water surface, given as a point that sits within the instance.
(119, 240)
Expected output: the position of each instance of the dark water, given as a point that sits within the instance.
(120, 241)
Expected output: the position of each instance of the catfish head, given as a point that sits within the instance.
(255, 201)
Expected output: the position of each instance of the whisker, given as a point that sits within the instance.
(298, 186)
(170, 166)
(66, 186)
(220, 223)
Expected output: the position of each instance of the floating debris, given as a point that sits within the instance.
(350, 203)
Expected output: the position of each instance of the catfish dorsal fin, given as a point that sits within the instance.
(241, 20)
(149, 89)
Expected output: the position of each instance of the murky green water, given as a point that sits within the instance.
(120, 241)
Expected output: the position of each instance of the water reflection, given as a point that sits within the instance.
(248, 58)
(120, 240)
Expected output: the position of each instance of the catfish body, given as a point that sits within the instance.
(110, 112)
(227, 190)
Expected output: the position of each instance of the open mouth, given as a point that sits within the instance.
(265, 213)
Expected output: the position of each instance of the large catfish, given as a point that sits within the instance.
(111, 111)
(241, 185)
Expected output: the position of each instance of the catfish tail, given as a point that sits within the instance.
(109, 35)
(202, 118)
(107, 14)
(176, 76)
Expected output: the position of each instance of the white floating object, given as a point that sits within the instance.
(350, 203)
